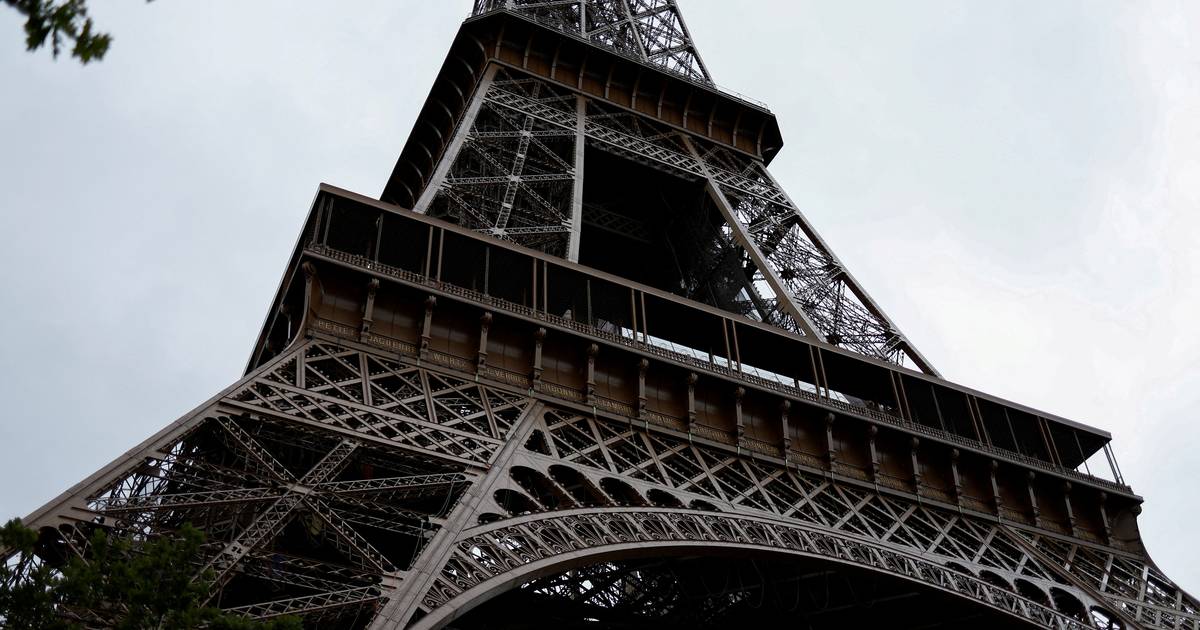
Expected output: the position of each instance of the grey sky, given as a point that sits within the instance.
(1015, 182)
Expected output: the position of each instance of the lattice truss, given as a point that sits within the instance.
(514, 175)
(593, 484)
(731, 591)
(512, 179)
(724, 259)
(651, 31)
(654, 589)
(813, 278)
(317, 481)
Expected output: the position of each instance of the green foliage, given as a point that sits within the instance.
(121, 585)
(60, 22)
(29, 602)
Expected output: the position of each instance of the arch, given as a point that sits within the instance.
(1104, 619)
(701, 504)
(727, 590)
(558, 542)
(514, 502)
(1068, 604)
(52, 545)
(1031, 591)
(954, 566)
(489, 517)
(993, 578)
(537, 442)
(622, 493)
(578, 486)
(663, 499)
(539, 486)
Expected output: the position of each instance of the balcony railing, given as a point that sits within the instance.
(833, 400)
(733, 94)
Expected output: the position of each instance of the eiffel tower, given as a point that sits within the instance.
(457, 415)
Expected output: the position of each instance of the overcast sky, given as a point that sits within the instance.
(1015, 182)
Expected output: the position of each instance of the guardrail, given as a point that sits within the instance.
(738, 96)
(863, 412)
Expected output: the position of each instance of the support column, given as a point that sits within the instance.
(642, 366)
(460, 136)
(427, 326)
(872, 432)
(369, 309)
(996, 501)
(738, 393)
(310, 278)
(577, 187)
(1104, 517)
(592, 351)
(691, 399)
(539, 336)
(958, 485)
(782, 295)
(1070, 510)
(485, 323)
(784, 407)
(830, 448)
(852, 283)
(916, 465)
(1030, 477)
(399, 611)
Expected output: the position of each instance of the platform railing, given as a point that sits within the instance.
(635, 341)
(494, 7)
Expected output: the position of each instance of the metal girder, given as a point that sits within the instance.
(795, 282)
(268, 523)
(501, 549)
(247, 480)
(185, 500)
(307, 605)
(347, 540)
(411, 485)
(649, 31)
(1044, 579)
(408, 472)
(311, 575)
(282, 571)
(763, 505)
(511, 175)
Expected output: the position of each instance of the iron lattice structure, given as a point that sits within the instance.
(650, 31)
(605, 370)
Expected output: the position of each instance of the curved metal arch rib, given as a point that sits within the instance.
(489, 560)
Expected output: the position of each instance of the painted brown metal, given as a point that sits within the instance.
(454, 416)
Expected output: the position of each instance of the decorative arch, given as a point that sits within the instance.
(1031, 591)
(1105, 619)
(514, 502)
(578, 486)
(663, 499)
(622, 493)
(954, 566)
(1068, 604)
(539, 486)
(995, 579)
(491, 559)
(488, 517)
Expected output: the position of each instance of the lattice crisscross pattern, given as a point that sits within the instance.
(651, 31)
(740, 499)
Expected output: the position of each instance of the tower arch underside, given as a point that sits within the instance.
(712, 585)
(681, 568)
(589, 496)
